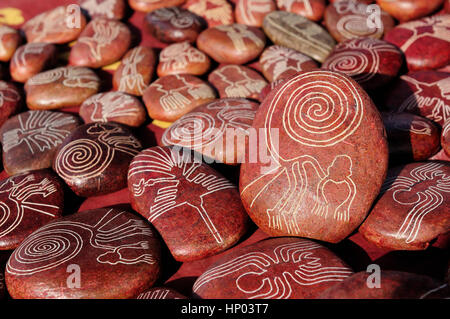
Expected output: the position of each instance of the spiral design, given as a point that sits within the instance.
(355, 26)
(355, 64)
(46, 77)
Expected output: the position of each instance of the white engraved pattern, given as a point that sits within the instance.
(155, 294)
(238, 33)
(105, 32)
(242, 84)
(422, 202)
(214, 10)
(59, 242)
(4, 30)
(249, 9)
(110, 105)
(45, 24)
(7, 94)
(165, 165)
(75, 77)
(130, 78)
(178, 56)
(179, 19)
(20, 57)
(288, 4)
(97, 7)
(267, 276)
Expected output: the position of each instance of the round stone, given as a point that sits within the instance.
(238, 43)
(135, 71)
(61, 87)
(150, 5)
(445, 139)
(28, 201)
(160, 293)
(298, 33)
(425, 42)
(196, 210)
(113, 107)
(111, 9)
(102, 42)
(9, 41)
(252, 12)
(371, 62)
(219, 130)
(237, 81)
(413, 208)
(10, 100)
(54, 26)
(269, 87)
(172, 96)
(311, 9)
(423, 93)
(273, 269)
(104, 253)
(215, 12)
(406, 10)
(410, 137)
(174, 24)
(326, 158)
(93, 160)
(182, 58)
(347, 19)
(279, 62)
(30, 139)
(31, 59)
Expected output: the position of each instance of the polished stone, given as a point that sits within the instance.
(251, 12)
(182, 58)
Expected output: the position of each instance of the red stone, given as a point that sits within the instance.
(9, 41)
(423, 93)
(102, 42)
(113, 107)
(425, 42)
(61, 87)
(10, 101)
(445, 138)
(135, 71)
(2, 285)
(30, 139)
(392, 285)
(115, 253)
(311, 9)
(218, 130)
(31, 59)
(160, 293)
(215, 12)
(29, 201)
(413, 208)
(197, 211)
(362, 1)
(410, 137)
(327, 158)
(150, 5)
(182, 58)
(174, 25)
(238, 43)
(347, 19)
(93, 160)
(252, 12)
(111, 9)
(237, 81)
(371, 62)
(54, 26)
(172, 96)
(279, 62)
(269, 87)
(276, 268)
(406, 10)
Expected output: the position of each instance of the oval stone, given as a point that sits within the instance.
(116, 253)
(102, 42)
(252, 12)
(174, 24)
(425, 42)
(311, 9)
(279, 62)
(347, 19)
(113, 107)
(93, 160)
(160, 293)
(10, 101)
(296, 32)
(218, 130)
(327, 158)
(150, 5)
(215, 12)
(197, 211)
(30, 139)
(135, 71)
(275, 268)
(28, 201)
(238, 43)
(371, 62)
(9, 41)
(413, 208)
(172, 96)
(31, 59)
(53, 26)
(406, 10)
(445, 139)
(423, 93)
(410, 137)
(111, 9)
(237, 81)
(182, 58)
(61, 87)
